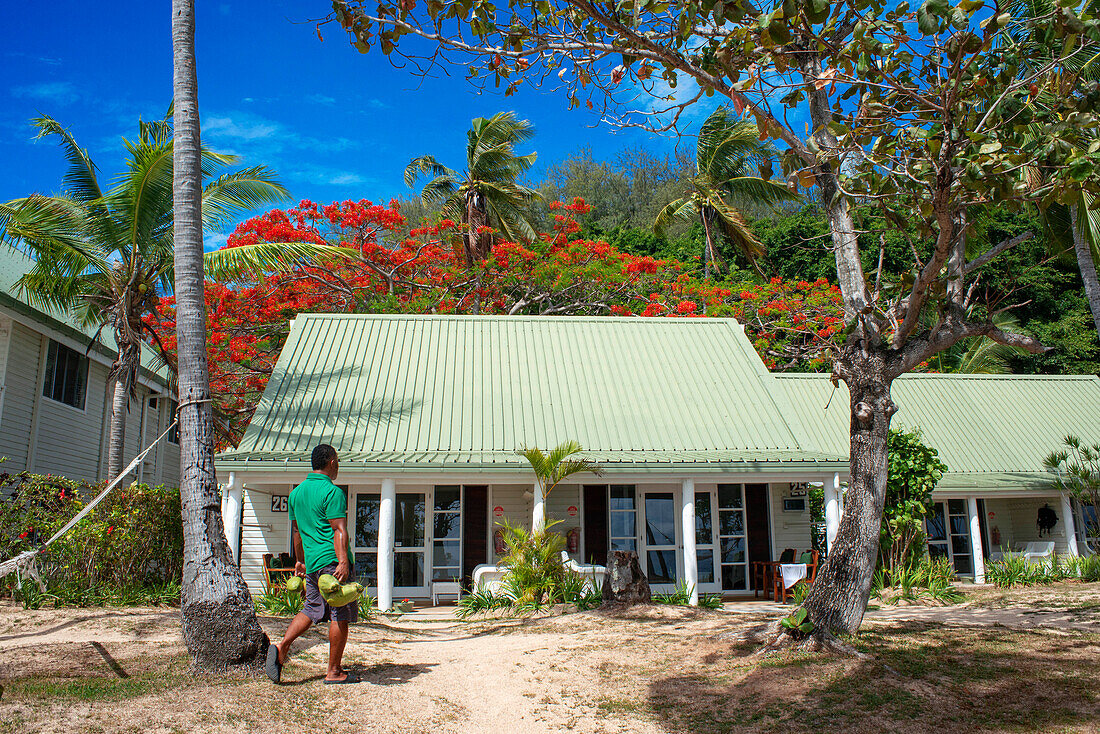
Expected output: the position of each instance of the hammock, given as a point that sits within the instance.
(25, 565)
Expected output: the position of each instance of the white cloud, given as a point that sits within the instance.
(61, 93)
(346, 178)
(247, 129)
(214, 241)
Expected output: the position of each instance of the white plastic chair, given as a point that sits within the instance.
(592, 573)
(489, 578)
(1038, 550)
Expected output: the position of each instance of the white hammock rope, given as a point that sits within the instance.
(26, 563)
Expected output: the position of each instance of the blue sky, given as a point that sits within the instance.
(334, 123)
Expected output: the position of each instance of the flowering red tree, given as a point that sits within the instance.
(397, 269)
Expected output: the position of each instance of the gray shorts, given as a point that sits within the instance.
(318, 610)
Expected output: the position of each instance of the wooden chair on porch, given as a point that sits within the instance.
(763, 573)
(780, 590)
(277, 571)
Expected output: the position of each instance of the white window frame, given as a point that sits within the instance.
(83, 408)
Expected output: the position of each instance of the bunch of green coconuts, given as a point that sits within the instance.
(333, 592)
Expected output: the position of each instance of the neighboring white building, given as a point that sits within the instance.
(55, 397)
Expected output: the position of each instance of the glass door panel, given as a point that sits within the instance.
(960, 537)
(622, 525)
(704, 542)
(660, 538)
(731, 538)
(409, 544)
(447, 534)
(365, 540)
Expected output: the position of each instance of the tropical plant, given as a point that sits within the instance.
(1076, 469)
(1015, 570)
(487, 196)
(732, 168)
(913, 469)
(106, 255)
(280, 602)
(923, 578)
(980, 355)
(681, 596)
(554, 468)
(534, 571)
(219, 621)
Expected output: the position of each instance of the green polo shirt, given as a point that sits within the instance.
(312, 504)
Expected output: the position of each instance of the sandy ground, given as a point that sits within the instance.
(96, 670)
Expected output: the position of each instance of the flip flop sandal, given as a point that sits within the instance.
(273, 667)
(349, 679)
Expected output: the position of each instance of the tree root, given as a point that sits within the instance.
(774, 640)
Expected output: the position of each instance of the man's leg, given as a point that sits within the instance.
(298, 626)
(337, 638)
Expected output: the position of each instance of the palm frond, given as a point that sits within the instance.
(683, 208)
(229, 263)
(231, 194)
(81, 179)
(425, 165)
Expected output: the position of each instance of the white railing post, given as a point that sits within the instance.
(386, 512)
(977, 556)
(1070, 526)
(832, 509)
(231, 516)
(538, 510)
(687, 517)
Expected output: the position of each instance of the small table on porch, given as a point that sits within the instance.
(763, 577)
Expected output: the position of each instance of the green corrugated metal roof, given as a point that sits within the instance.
(13, 265)
(991, 430)
(467, 391)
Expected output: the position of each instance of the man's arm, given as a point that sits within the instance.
(340, 545)
(299, 552)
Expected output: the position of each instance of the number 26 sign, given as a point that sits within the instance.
(279, 503)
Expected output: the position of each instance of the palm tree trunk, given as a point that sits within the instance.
(1083, 249)
(116, 436)
(219, 620)
(708, 248)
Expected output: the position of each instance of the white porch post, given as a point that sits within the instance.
(691, 561)
(832, 509)
(538, 510)
(386, 511)
(1070, 525)
(231, 516)
(977, 557)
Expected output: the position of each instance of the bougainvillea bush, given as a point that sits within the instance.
(129, 549)
(400, 268)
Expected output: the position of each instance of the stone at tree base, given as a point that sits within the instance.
(625, 583)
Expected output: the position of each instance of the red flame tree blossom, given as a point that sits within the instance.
(395, 268)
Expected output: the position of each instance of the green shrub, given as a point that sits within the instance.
(128, 550)
(929, 578)
(1015, 570)
(682, 596)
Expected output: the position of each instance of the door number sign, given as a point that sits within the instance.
(279, 503)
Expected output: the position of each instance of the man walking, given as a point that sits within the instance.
(319, 526)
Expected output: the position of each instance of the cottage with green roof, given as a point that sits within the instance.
(55, 396)
(706, 455)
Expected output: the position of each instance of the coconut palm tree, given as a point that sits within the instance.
(219, 619)
(106, 256)
(732, 168)
(487, 195)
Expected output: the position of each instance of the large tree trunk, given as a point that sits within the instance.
(1083, 249)
(116, 432)
(219, 621)
(839, 596)
(477, 243)
(708, 246)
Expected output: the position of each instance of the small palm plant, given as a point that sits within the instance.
(557, 466)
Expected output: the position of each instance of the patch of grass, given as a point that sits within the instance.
(102, 688)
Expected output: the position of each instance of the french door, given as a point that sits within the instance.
(948, 530)
(410, 577)
(732, 537)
